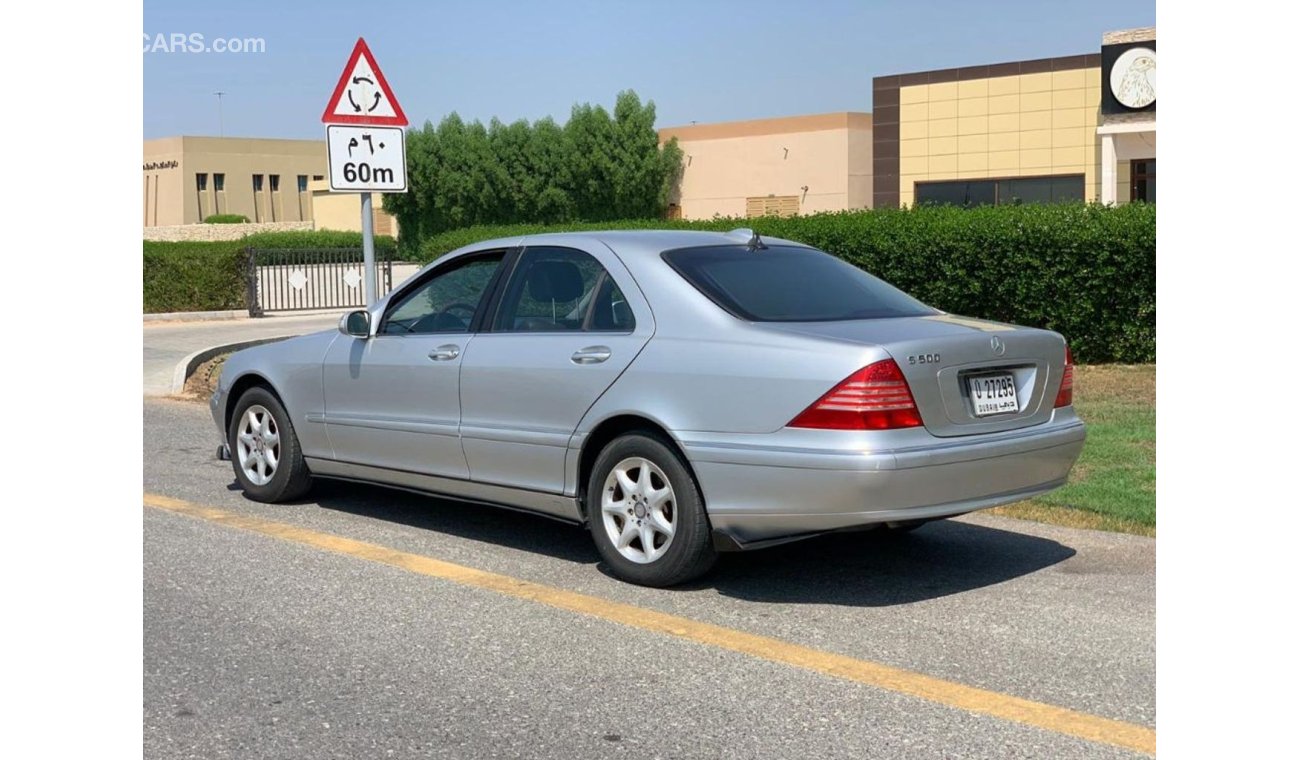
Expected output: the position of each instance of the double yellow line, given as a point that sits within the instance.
(1037, 714)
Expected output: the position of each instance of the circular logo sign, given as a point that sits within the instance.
(1133, 77)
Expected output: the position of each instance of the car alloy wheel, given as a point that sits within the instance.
(638, 510)
(257, 444)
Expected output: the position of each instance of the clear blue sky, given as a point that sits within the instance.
(698, 61)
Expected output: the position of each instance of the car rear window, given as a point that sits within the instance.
(784, 283)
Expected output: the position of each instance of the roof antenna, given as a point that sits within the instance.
(751, 238)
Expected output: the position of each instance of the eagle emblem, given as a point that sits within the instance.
(1133, 78)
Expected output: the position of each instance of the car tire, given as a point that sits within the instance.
(627, 505)
(264, 449)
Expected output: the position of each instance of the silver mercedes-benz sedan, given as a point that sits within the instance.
(679, 393)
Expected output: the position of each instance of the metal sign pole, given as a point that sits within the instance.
(368, 249)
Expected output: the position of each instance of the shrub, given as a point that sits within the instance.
(1084, 270)
(193, 276)
(226, 219)
(209, 275)
(317, 239)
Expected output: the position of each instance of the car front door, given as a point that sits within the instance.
(393, 400)
(568, 323)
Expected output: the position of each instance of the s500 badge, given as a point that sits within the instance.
(923, 359)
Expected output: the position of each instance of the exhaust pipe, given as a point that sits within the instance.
(223, 452)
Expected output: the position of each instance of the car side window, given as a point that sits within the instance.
(446, 302)
(561, 290)
(610, 311)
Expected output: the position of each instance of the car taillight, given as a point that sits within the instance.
(875, 397)
(1065, 396)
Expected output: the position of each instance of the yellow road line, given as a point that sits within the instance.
(1049, 717)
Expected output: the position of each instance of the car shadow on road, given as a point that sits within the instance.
(865, 569)
(882, 568)
(496, 525)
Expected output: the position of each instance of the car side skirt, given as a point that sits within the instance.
(556, 506)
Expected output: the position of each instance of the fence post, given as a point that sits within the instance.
(250, 283)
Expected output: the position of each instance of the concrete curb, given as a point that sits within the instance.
(185, 367)
(195, 316)
(217, 316)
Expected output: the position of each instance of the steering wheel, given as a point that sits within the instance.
(437, 321)
(459, 305)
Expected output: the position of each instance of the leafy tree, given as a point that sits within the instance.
(596, 167)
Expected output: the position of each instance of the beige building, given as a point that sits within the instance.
(1075, 127)
(342, 211)
(187, 179)
(785, 166)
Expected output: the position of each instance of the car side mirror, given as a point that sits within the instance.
(356, 324)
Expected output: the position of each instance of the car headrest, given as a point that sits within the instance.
(554, 281)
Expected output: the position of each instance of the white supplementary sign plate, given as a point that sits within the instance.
(365, 159)
(993, 394)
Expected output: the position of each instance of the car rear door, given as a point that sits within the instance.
(569, 321)
(393, 400)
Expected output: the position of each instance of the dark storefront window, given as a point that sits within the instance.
(1142, 185)
(986, 192)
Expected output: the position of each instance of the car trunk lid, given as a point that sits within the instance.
(968, 376)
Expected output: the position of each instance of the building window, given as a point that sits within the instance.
(302, 183)
(1142, 182)
(257, 183)
(317, 177)
(772, 205)
(219, 182)
(1010, 190)
(201, 182)
(275, 183)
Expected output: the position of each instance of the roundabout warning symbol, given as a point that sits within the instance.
(362, 95)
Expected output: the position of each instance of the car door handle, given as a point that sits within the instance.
(591, 355)
(445, 353)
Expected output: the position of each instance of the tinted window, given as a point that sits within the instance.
(445, 303)
(983, 192)
(790, 284)
(554, 290)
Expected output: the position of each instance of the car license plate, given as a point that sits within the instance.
(993, 394)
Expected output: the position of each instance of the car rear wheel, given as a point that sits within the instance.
(264, 449)
(646, 513)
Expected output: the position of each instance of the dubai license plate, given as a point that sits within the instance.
(993, 394)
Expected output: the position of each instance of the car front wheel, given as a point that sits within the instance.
(264, 450)
(646, 513)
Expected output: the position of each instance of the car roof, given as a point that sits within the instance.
(640, 242)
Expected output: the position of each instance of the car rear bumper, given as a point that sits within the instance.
(758, 494)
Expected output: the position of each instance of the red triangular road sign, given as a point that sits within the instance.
(362, 95)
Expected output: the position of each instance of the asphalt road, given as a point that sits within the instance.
(258, 646)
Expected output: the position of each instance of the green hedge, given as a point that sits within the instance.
(193, 277)
(209, 276)
(384, 244)
(1084, 270)
(226, 219)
